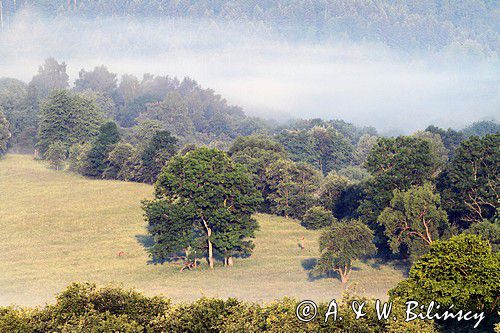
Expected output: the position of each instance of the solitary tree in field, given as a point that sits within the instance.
(4, 133)
(414, 219)
(343, 243)
(203, 197)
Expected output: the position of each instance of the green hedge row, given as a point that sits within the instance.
(86, 308)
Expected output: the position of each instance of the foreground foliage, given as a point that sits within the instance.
(462, 272)
(86, 308)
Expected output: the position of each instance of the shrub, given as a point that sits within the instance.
(85, 308)
(317, 217)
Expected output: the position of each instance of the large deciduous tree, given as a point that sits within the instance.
(461, 272)
(330, 191)
(256, 152)
(292, 187)
(203, 196)
(395, 163)
(334, 150)
(470, 185)
(96, 158)
(160, 148)
(343, 243)
(323, 147)
(488, 230)
(451, 138)
(51, 76)
(117, 161)
(173, 113)
(363, 148)
(437, 148)
(67, 118)
(99, 79)
(414, 220)
(21, 117)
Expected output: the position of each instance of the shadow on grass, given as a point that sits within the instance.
(309, 265)
(398, 264)
(147, 243)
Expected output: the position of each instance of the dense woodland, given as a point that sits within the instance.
(411, 25)
(431, 197)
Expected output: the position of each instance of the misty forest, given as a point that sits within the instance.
(203, 166)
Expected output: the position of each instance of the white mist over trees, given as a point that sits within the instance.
(439, 69)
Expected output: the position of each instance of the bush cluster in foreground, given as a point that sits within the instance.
(83, 307)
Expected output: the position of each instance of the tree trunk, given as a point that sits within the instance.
(209, 243)
(230, 261)
(344, 275)
(210, 249)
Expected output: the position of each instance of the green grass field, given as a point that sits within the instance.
(57, 227)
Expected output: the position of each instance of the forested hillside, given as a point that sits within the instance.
(251, 149)
(411, 24)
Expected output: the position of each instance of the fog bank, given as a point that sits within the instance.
(364, 83)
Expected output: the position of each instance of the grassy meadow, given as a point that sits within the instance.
(57, 227)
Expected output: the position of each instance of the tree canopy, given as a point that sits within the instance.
(204, 197)
(97, 157)
(158, 151)
(470, 184)
(67, 118)
(341, 244)
(394, 163)
(414, 220)
(461, 271)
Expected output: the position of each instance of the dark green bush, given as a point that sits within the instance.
(317, 217)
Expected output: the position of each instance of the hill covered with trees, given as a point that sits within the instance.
(412, 25)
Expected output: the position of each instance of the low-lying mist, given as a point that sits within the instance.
(364, 83)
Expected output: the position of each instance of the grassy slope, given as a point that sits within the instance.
(57, 227)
